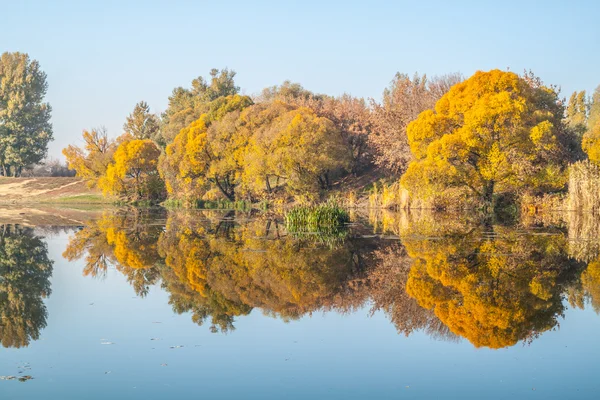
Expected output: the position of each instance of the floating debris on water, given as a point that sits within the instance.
(23, 378)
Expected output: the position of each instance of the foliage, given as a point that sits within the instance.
(327, 221)
(92, 161)
(141, 124)
(187, 105)
(202, 155)
(591, 143)
(594, 110)
(238, 149)
(133, 173)
(25, 128)
(495, 132)
(494, 288)
(403, 101)
(126, 241)
(577, 112)
(25, 272)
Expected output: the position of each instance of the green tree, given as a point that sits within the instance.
(187, 105)
(577, 111)
(141, 124)
(594, 109)
(25, 128)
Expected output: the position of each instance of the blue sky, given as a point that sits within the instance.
(103, 57)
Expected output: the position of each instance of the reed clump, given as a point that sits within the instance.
(328, 217)
(584, 187)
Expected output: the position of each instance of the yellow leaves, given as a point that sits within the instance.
(253, 152)
(493, 130)
(542, 135)
(591, 144)
(133, 172)
(494, 164)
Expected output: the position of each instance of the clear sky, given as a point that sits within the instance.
(102, 57)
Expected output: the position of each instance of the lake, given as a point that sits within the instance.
(147, 304)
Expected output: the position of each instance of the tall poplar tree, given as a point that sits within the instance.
(25, 128)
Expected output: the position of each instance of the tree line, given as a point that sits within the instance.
(495, 134)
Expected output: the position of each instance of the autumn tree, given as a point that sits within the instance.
(298, 149)
(187, 105)
(495, 132)
(202, 156)
(402, 102)
(25, 128)
(133, 172)
(141, 123)
(350, 115)
(91, 161)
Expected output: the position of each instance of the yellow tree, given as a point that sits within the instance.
(133, 173)
(495, 132)
(591, 143)
(297, 148)
(91, 161)
(199, 157)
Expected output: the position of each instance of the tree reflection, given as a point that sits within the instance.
(492, 284)
(25, 272)
(125, 240)
(227, 272)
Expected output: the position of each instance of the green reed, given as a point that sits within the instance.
(323, 218)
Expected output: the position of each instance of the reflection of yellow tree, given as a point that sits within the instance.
(25, 271)
(129, 242)
(386, 287)
(590, 280)
(224, 271)
(493, 288)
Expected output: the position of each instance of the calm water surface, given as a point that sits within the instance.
(223, 305)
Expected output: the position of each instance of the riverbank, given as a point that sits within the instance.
(60, 190)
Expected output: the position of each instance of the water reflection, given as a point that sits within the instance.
(490, 283)
(25, 272)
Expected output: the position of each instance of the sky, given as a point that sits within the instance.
(102, 57)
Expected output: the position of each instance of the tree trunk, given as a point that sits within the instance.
(488, 192)
(268, 184)
(230, 196)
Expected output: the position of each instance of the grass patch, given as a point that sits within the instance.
(78, 199)
(321, 218)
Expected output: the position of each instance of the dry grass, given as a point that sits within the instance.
(584, 187)
(47, 190)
